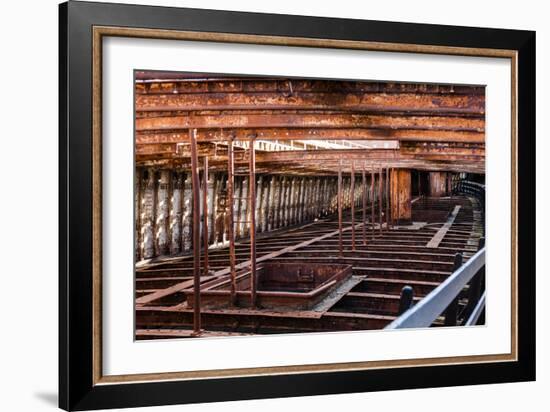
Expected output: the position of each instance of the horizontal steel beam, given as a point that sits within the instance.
(311, 121)
(222, 135)
(334, 101)
(193, 83)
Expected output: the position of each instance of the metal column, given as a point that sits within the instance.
(231, 223)
(339, 199)
(364, 207)
(352, 190)
(252, 219)
(205, 214)
(196, 233)
(387, 183)
(380, 198)
(372, 200)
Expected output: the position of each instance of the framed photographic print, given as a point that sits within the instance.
(257, 205)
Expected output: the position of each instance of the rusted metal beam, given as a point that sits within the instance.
(438, 183)
(380, 196)
(285, 134)
(178, 287)
(352, 190)
(428, 152)
(311, 121)
(364, 196)
(231, 222)
(332, 101)
(401, 196)
(328, 167)
(252, 219)
(205, 214)
(340, 248)
(390, 178)
(305, 157)
(196, 234)
(184, 83)
(387, 190)
(372, 201)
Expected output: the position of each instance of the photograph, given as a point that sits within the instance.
(264, 205)
(244, 206)
(285, 205)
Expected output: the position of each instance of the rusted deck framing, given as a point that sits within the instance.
(147, 299)
(378, 293)
(437, 127)
(422, 127)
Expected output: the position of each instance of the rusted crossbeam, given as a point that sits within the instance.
(182, 83)
(429, 103)
(376, 121)
(285, 134)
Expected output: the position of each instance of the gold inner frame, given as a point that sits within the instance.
(100, 31)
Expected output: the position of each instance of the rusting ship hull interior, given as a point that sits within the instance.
(280, 205)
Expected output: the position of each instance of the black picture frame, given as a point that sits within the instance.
(77, 390)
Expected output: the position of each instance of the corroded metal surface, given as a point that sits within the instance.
(280, 162)
(390, 261)
(427, 121)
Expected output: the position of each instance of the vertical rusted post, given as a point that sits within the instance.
(398, 198)
(205, 214)
(252, 211)
(352, 189)
(372, 200)
(364, 206)
(339, 200)
(390, 199)
(230, 218)
(196, 233)
(387, 198)
(380, 198)
(138, 178)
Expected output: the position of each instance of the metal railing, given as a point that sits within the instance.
(473, 189)
(444, 299)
